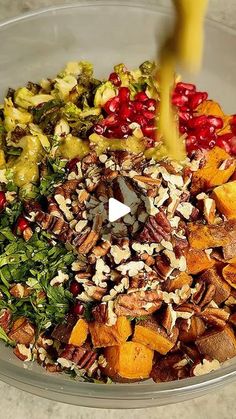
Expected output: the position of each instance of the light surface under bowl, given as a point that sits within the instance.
(37, 45)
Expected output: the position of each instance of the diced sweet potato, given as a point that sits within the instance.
(225, 198)
(130, 361)
(213, 173)
(198, 261)
(209, 107)
(79, 333)
(229, 274)
(103, 335)
(229, 251)
(222, 288)
(207, 236)
(154, 336)
(22, 331)
(218, 344)
(177, 283)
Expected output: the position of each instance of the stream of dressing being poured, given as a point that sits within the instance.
(185, 47)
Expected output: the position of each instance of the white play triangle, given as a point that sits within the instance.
(117, 210)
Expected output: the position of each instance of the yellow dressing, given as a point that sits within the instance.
(184, 46)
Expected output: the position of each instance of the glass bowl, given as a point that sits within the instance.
(37, 45)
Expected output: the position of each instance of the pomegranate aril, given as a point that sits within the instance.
(151, 104)
(139, 106)
(220, 142)
(112, 105)
(205, 133)
(141, 120)
(21, 224)
(149, 131)
(233, 145)
(78, 309)
(124, 94)
(179, 100)
(3, 201)
(212, 143)
(185, 116)
(141, 96)
(215, 121)
(75, 288)
(115, 79)
(185, 87)
(196, 99)
(197, 121)
(183, 129)
(149, 114)
(226, 137)
(99, 129)
(110, 120)
(233, 120)
(126, 111)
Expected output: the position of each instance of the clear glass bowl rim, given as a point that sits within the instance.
(142, 391)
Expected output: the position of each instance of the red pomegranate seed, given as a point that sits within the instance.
(179, 100)
(183, 87)
(226, 137)
(151, 104)
(21, 224)
(183, 129)
(185, 116)
(115, 79)
(149, 115)
(196, 99)
(111, 132)
(141, 96)
(139, 106)
(126, 111)
(149, 131)
(99, 129)
(233, 145)
(220, 142)
(212, 143)
(110, 120)
(205, 133)
(191, 144)
(75, 288)
(197, 121)
(233, 120)
(215, 121)
(124, 94)
(141, 120)
(3, 201)
(112, 105)
(71, 165)
(78, 309)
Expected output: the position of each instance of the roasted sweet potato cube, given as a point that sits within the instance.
(151, 334)
(229, 274)
(198, 261)
(225, 199)
(213, 172)
(208, 236)
(218, 344)
(22, 331)
(79, 333)
(130, 361)
(222, 288)
(177, 283)
(103, 335)
(210, 107)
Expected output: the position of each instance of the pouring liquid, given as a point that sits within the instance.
(184, 46)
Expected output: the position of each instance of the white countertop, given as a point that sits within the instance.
(15, 404)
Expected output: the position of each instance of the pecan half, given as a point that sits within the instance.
(138, 304)
(92, 237)
(100, 313)
(215, 316)
(22, 331)
(156, 229)
(204, 294)
(81, 356)
(20, 291)
(5, 319)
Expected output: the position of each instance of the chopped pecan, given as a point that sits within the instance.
(180, 246)
(148, 259)
(147, 180)
(138, 304)
(92, 237)
(190, 330)
(222, 288)
(63, 331)
(67, 188)
(53, 208)
(204, 294)
(22, 331)
(156, 229)
(215, 316)
(22, 352)
(172, 367)
(229, 251)
(100, 313)
(81, 356)
(232, 319)
(163, 267)
(20, 291)
(5, 319)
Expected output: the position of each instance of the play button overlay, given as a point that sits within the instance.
(117, 210)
